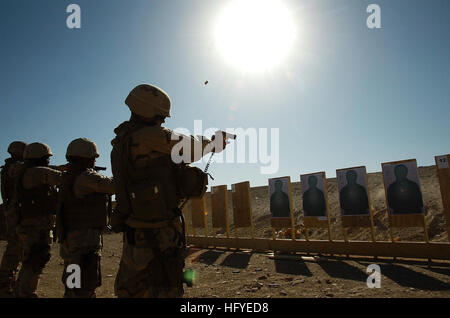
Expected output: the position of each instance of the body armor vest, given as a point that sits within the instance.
(81, 213)
(149, 192)
(37, 202)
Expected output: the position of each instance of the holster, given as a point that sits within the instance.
(179, 212)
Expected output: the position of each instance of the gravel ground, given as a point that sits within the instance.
(229, 274)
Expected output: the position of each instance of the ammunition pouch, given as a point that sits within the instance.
(147, 201)
(89, 212)
(37, 203)
(149, 189)
(192, 182)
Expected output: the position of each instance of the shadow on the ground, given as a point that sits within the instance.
(410, 278)
(293, 268)
(340, 269)
(237, 260)
(439, 270)
(407, 277)
(209, 257)
(384, 260)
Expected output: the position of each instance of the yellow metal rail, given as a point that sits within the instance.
(417, 250)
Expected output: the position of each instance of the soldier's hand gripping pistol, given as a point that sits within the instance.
(225, 137)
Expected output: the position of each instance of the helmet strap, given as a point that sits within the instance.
(82, 163)
(143, 120)
(39, 162)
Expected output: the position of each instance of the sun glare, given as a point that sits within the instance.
(255, 35)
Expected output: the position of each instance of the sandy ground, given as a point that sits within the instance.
(228, 274)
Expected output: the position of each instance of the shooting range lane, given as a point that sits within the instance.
(242, 216)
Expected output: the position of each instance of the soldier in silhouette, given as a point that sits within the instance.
(279, 202)
(404, 195)
(354, 199)
(314, 200)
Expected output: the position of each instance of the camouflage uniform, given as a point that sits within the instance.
(36, 208)
(153, 242)
(82, 231)
(11, 256)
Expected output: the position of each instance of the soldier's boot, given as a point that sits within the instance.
(27, 283)
(6, 285)
(8, 269)
(79, 293)
(32, 268)
(169, 293)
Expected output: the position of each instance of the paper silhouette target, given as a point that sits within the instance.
(402, 185)
(280, 197)
(314, 196)
(353, 194)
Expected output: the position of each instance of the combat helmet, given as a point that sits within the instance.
(16, 148)
(37, 150)
(83, 148)
(148, 101)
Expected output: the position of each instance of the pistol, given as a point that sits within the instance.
(225, 135)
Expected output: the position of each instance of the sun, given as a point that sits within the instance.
(255, 35)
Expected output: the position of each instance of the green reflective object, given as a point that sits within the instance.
(189, 277)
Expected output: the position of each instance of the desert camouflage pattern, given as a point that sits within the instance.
(37, 176)
(83, 246)
(92, 182)
(37, 150)
(152, 261)
(3, 228)
(11, 256)
(151, 142)
(152, 265)
(16, 148)
(83, 148)
(35, 239)
(34, 235)
(148, 101)
(155, 141)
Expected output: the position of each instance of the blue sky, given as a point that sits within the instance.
(346, 95)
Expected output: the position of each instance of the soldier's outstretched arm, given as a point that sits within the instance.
(198, 145)
(62, 168)
(41, 175)
(93, 182)
(163, 140)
